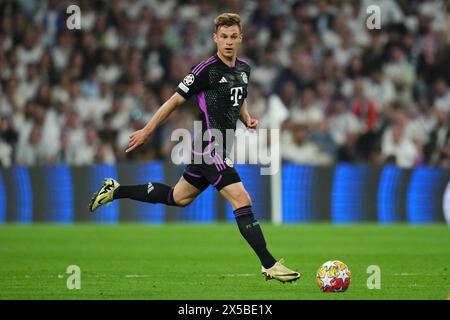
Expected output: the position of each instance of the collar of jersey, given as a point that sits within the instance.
(220, 61)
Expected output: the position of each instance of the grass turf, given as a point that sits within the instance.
(184, 261)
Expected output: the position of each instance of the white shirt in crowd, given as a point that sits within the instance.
(405, 151)
(306, 153)
(309, 115)
(341, 125)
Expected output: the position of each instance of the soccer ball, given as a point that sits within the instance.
(333, 276)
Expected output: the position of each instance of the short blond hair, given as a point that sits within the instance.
(227, 19)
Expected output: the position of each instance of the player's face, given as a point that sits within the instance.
(228, 40)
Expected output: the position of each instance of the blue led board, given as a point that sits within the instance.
(349, 193)
(297, 190)
(422, 198)
(22, 194)
(389, 191)
(56, 191)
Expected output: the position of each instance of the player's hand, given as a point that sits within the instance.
(252, 123)
(137, 139)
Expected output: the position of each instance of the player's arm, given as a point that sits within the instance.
(139, 137)
(245, 117)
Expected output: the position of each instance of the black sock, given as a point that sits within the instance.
(251, 231)
(152, 192)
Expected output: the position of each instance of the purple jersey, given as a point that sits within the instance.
(220, 91)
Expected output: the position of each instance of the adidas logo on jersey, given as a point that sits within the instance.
(223, 80)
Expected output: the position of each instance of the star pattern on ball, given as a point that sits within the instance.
(333, 271)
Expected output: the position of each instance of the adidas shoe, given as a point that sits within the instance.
(280, 273)
(104, 195)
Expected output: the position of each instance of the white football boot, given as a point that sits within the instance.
(104, 195)
(280, 273)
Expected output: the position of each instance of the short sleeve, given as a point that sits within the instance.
(193, 83)
(248, 81)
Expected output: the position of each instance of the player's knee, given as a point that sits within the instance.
(243, 199)
(183, 202)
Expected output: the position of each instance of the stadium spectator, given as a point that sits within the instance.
(437, 151)
(381, 90)
(398, 147)
(345, 129)
(297, 147)
(441, 95)
(308, 112)
(8, 141)
(401, 73)
(129, 52)
(29, 152)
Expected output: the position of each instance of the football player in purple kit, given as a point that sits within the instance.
(220, 86)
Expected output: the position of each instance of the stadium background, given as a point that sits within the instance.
(341, 194)
(348, 101)
(365, 145)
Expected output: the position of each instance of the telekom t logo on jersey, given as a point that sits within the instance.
(236, 94)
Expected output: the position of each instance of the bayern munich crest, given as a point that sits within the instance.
(189, 79)
(244, 77)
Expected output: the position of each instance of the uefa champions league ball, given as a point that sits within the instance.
(333, 276)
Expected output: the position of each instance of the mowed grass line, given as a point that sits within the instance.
(188, 261)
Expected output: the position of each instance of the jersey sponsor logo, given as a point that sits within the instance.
(236, 95)
(150, 187)
(228, 162)
(189, 79)
(244, 77)
(223, 80)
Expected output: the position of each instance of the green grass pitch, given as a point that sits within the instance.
(212, 261)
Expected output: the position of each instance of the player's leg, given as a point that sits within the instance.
(184, 192)
(181, 194)
(250, 229)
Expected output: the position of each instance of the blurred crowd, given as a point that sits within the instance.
(338, 91)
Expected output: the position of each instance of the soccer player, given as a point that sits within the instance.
(220, 84)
